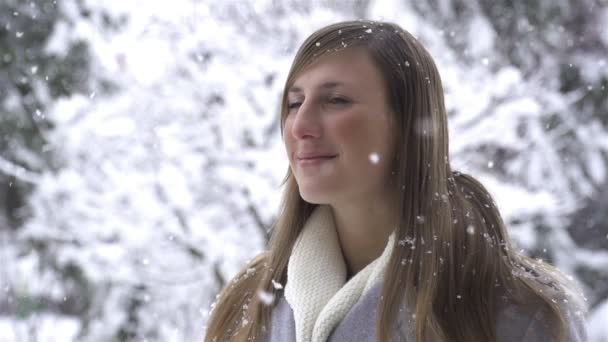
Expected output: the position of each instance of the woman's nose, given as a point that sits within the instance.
(306, 124)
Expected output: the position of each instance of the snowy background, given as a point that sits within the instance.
(141, 160)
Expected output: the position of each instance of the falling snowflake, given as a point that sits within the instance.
(266, 297)
(471, 229)
(276, 285)
(374, 158)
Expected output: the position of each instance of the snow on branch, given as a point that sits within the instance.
(11, 169)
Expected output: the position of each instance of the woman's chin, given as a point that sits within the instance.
(315, 197)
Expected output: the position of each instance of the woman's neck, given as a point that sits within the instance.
(363, 231)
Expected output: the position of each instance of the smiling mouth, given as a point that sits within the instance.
(316, 160)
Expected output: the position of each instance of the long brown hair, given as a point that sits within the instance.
(453, 260)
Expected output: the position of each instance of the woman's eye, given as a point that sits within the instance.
(339, 100)
(294, 105)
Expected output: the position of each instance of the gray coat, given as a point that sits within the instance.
(513, 324)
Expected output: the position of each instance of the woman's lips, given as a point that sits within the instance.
(315, 160)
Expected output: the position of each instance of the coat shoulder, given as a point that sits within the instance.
(536, 323)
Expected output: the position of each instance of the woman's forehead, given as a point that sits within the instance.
(336, 69)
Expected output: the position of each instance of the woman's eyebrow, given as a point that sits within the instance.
(326, 85)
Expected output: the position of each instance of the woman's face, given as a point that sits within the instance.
(337, 132)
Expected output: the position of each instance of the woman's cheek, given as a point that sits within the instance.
(361, 136)
(288, 140)
(350, 130)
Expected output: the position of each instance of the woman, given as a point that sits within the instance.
(377, 238)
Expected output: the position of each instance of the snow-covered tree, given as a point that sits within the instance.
(30, 79)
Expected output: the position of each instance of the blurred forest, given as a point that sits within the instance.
(141, 159)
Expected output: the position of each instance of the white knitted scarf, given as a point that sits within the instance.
(316, 287)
